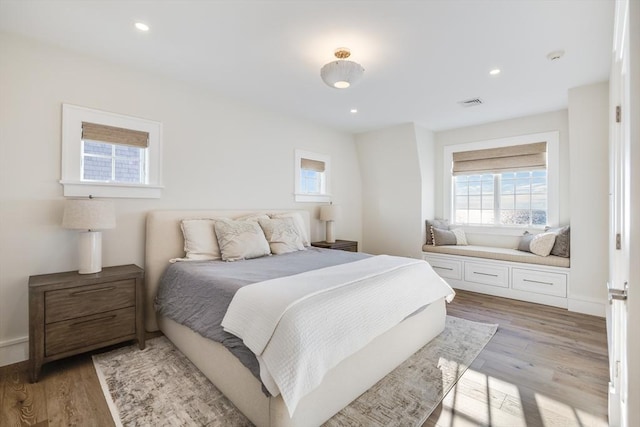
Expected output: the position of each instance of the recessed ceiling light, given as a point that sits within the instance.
(354, 110)
(494, 72)
(142, 26)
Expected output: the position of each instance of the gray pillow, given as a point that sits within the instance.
(525, 242)
(443, 237)
(563, 239)
(442, 224)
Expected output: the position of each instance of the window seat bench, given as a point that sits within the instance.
(503, 254)
(502, 272)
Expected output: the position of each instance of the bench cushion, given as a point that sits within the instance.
(502, 254)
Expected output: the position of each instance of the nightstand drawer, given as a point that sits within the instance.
(89, 330)
(486, 274)
(86, 300)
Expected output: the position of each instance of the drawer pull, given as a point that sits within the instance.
(91, 291)
(536, 281)
(113, 316)
(443, 268)
(485, 274)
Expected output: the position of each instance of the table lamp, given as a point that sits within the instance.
(330, 213)
(89, 215)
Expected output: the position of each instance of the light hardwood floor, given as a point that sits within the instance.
(544, 367)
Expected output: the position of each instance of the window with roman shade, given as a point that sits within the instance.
(505, 185)
(498, 160)
(312, 177)
(113, 154)
(109, 155)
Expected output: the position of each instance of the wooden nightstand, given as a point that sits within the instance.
(343, 245)
(70, 313)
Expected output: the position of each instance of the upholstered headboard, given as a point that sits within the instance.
(164, 241)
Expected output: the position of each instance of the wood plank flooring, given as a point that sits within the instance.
(544, 367)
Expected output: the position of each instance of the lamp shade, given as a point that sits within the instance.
(341, 74)
(89, 214)
(330, 213)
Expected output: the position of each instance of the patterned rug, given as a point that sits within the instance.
(159, 386)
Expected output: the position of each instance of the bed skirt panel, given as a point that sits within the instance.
(344, 383)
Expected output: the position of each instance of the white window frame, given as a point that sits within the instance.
(553, 178)
(71, 170)
(309, 197)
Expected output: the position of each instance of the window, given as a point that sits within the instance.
(311, 177)
(509, 198)
(103, 162)
(502, 183)
(109, 155)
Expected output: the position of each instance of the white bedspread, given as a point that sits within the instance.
(301, 326)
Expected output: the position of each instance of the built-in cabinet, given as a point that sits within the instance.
(527, 282)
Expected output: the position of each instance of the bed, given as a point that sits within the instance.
(342, 384)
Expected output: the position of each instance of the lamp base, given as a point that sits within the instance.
(90, 250)
(330, 238)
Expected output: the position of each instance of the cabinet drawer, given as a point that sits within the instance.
(446, 268)
(486, 274)
(82, 301)
(90, 330)
(540, 282)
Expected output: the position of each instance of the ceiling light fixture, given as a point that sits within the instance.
(354, 110)
(341, 74)
(494, 72)
(142, 26)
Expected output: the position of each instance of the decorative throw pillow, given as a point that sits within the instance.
(525, 242)
(461, 237)
(563, 239)
(442, 224)
(240, 240)
(200, 242)
(298, 222)
(443, 237)
(282, 235)
(542, 243)
(539, 244)
(252, 217)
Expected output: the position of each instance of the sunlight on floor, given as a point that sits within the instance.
(482, 400)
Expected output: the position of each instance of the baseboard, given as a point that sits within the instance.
(14, 351)
(587, 307)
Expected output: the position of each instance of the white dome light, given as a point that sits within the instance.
(341, 74)
(142, 26)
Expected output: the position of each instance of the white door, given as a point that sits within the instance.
(620, 218)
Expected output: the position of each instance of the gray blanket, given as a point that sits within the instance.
(197, 294)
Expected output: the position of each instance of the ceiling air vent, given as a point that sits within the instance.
(470, 102)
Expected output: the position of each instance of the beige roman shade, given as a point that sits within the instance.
(312, 165)
(503, 159)
(115, 135)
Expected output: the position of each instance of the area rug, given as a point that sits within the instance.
(159, 386)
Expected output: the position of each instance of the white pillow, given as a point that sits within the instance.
(298, 222)
(200, 241)
(461, 238)
(542, 243)
(240, 240)
(252, 217)
(282, 235)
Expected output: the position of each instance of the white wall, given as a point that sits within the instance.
(589, 198)
(217, 154)
(426, 147)
(391, 190)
